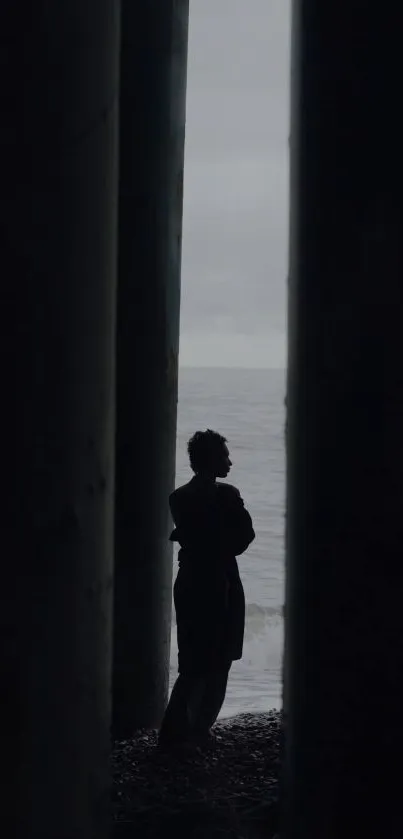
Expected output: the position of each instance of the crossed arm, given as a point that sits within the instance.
(230, 531)
(239, 532)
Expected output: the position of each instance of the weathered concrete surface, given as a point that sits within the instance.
(344, 692)
(152, 106)
(58, 201)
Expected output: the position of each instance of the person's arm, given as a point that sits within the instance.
(195, 529)
(173, 508)
(244, 533)
(177, 534)
(239, 532)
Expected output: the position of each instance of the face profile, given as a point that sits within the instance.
(209, 455)
(222, 464)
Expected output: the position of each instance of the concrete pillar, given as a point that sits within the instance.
(344, 632)
(58, 203)
(152, 108)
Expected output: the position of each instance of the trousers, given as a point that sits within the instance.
(195, 703)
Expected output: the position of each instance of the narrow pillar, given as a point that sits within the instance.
(152, 132)
(58, 203)
(344, 628)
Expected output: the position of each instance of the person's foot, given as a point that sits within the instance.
(204, 737)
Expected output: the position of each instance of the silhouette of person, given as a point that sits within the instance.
(212, 528)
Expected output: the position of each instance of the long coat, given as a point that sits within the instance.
(212, 528)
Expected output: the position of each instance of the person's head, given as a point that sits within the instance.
(208, 454)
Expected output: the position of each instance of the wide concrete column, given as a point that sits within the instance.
(152, 120)
(58, 203)
(344, 629)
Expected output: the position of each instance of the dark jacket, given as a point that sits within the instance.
(212, 528)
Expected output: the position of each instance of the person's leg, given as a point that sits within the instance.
(175, 723)
(182, 709)
(215, 686)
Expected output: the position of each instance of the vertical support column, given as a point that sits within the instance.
(152, 115)
(58, 212)
(344, 626)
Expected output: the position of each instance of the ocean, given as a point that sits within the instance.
(247, 407)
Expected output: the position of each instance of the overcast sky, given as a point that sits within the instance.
(234, 266)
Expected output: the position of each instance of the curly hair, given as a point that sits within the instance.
(202, 445)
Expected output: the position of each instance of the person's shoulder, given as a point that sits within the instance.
(180, 492)
(230, 489)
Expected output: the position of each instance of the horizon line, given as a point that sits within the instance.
(228, 367)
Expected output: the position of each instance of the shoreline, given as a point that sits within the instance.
(229, 788)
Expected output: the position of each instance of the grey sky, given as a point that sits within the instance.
(235, 233)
